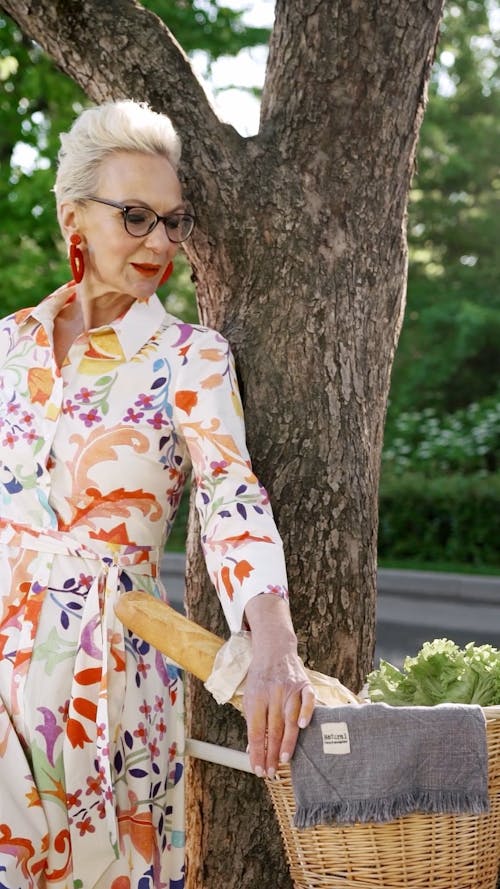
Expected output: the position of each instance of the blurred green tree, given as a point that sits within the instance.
(35, 102)
(208, 25)
(448, 354)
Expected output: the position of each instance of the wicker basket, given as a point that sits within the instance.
(417, 851)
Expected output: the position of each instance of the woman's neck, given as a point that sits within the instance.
(81, 314)
(99, 310)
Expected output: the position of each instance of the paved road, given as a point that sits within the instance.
(415, 606)
(412, 607)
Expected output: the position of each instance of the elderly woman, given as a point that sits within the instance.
(106, 403)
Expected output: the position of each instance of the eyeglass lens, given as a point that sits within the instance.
(140, 221)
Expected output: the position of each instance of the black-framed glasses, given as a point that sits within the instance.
(140, 221)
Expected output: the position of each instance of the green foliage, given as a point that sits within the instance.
(178, 294)
(208, 26)
(36, 102)
(454, 518)
(440, 673)
(444, 411)
(466, 441)
(448, 354)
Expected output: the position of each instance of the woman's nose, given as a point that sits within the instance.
(157, 239)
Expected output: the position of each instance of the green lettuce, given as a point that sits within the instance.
(440, 673)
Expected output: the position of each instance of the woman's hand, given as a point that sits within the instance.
(278, 699)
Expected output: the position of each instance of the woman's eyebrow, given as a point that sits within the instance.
(138, 202)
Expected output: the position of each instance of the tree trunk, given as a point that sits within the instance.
(300, 260)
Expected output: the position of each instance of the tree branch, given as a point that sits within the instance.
(119, 49)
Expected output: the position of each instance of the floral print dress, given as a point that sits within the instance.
(93, 460)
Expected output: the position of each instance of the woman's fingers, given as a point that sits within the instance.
(292, 712)
(275, 711)
(256, 717)
(266, 727)
(298, 712)
(308, 702)
(276, 727)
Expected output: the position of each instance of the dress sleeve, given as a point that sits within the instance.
(242, 547)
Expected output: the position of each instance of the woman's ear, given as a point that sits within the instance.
(68, 216)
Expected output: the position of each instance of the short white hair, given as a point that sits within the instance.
(102, 130)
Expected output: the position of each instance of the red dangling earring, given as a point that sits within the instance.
(76, 260)
(166, 274)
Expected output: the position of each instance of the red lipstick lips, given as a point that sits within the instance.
(146, 268)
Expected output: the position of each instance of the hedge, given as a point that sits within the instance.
(454, 518)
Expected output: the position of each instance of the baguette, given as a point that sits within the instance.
(187, 643)
(194, 648)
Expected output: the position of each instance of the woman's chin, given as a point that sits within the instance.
(143, 290)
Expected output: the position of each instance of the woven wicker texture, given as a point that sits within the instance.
(418, 851)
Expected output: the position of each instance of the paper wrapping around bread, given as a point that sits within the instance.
(221, 665)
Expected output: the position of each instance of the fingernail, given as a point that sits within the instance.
(302, 722)
(259, 771)
(284, 758)
(271, 772)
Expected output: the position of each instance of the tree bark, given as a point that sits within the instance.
(300, 260)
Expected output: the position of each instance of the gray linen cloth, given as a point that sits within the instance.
(374, 762)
